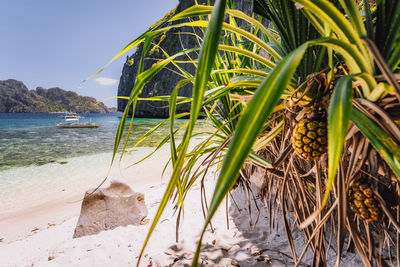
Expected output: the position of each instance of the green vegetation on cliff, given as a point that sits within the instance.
(16, 97)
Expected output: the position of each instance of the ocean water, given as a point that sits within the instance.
(39, 160)
(34, 139)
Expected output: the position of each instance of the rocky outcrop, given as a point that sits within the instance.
(166, 80)
(15, 97)
(108, 208)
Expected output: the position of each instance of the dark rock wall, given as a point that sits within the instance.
(165, 81)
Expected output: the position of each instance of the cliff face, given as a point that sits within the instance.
(165, 81)
(16, 98)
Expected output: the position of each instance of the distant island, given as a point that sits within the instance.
(15, 97)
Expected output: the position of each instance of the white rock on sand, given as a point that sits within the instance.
(108, 208)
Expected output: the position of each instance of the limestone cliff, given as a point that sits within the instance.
(166, 80)
(15, 97)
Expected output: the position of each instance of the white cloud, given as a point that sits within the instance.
(106, 81)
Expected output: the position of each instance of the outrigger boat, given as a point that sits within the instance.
(72, 121)
(69, 115)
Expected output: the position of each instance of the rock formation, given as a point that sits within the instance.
(16, 98)
(108, 208)
(165, 81)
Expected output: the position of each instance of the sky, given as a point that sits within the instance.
(59, 43)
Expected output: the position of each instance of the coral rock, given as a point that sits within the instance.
(108, 208)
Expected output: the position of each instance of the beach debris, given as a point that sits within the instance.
(263, 258)
(63, 162)
(51, 224)
(225, 249)
(50, 258)
(214, 241)
(165, 220)
(204, 261)
(255, 251)
(144, 221)
(1, 240)
(108, 208)
(35, 229)
(234, 263)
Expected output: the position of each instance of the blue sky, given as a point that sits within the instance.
(59, 43)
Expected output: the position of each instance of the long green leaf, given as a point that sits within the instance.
(260, 73)
(339, 114)
(337, 22)
(271, 135)
(172, 110)
(354, 15)
(368, 20)
(252, 121)
(259, 160)
(380, 140)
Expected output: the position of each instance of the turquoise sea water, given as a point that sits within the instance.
(34, 139)
(40, 162)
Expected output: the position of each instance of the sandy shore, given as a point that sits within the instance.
(42, 235)
(61, 200)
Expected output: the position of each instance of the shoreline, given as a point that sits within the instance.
(60, 200)
(241, 244)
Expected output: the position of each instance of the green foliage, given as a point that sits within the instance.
(339, 114)
(316, 60)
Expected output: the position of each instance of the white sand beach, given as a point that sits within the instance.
(51, 193)
(41, 235)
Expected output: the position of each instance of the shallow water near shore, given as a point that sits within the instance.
(39, 161)
(34, 139)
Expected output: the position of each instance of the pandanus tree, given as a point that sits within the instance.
(313, 100)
